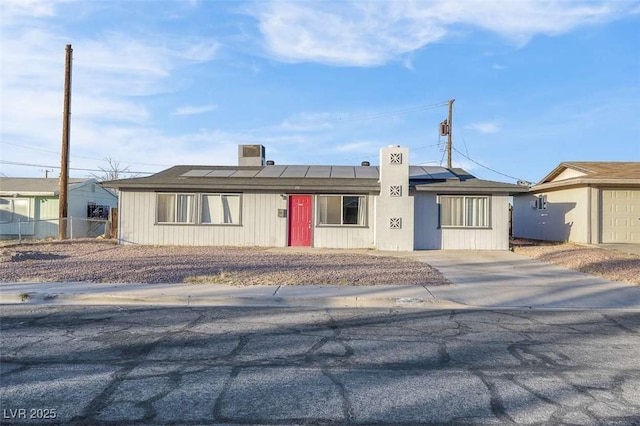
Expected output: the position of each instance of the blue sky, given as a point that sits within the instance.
(160, 83)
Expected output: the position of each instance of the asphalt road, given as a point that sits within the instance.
(206, 365)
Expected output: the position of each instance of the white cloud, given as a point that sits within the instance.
(498, 67)
(28, 8)
(486, 127)
(373, 33)
(112, 75)
(193, 110)
(358, 147)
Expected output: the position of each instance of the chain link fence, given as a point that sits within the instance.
(76, 227)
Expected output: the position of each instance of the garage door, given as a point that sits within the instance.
(620, 216)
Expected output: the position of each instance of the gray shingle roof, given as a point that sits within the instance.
(42, 186)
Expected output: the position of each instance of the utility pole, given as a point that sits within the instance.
(449, 131)
(64, 160)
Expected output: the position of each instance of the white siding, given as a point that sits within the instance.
(566, 217)
(345, 236)
(260, 226)
(429, 236)
(495, 238)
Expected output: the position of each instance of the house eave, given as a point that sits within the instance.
(27, 194)
(579, 182)
(293, 187)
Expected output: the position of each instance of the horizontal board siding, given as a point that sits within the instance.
(429, 236)
(344, 236)
(261, 225)
(495, 238)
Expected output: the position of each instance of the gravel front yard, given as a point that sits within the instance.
(104, 261)
(608, 264)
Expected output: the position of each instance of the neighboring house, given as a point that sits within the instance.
(29, 207)
(391, 207)
(582, 202)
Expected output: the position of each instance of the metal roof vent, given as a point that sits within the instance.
(365, 164)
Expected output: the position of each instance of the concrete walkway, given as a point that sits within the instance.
(499, 279)
(491, 279)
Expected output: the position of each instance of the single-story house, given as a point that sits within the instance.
(582, 202)
(393, 206)
(29, 207)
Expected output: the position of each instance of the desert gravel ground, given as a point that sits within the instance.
(608, 264)
(104, 261)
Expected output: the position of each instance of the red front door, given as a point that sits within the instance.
(300, 220)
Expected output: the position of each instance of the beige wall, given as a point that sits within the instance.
(566, 217)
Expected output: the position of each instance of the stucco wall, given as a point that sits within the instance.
(394, 220)
(564, 219)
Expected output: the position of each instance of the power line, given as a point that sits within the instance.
(76, 156)
(360, 117)
(488, 168)
(14, 163)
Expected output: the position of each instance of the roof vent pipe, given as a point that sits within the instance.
(271, 163)
(365, 164)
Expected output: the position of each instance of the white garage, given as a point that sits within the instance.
(620, 216)
(582, 202)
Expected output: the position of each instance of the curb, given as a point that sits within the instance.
(38, 298)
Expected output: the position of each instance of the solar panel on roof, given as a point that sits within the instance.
(270, 172)
(342, 172)
(220, 173)
(196, 173)
(439, 172)
(366, 172)
(295, 171)
(245, 173)
(319, 172)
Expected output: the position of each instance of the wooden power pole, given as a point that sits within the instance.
(449, 131)
(64, 160)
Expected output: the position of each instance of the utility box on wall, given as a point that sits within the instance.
(282, 212)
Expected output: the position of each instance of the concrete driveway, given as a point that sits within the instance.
(505, 279)
(627, 248)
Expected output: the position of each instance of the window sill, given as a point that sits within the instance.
(195, 224)
(342, 226)
(466, 227)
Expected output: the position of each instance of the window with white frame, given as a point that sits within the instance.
(463, 211)
(176, 208)
(342, 210)
(14, 210)
(220, 209)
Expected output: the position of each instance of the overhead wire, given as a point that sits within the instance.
(75, 155)
(483, 166)
(356, 117)
(15, 163)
